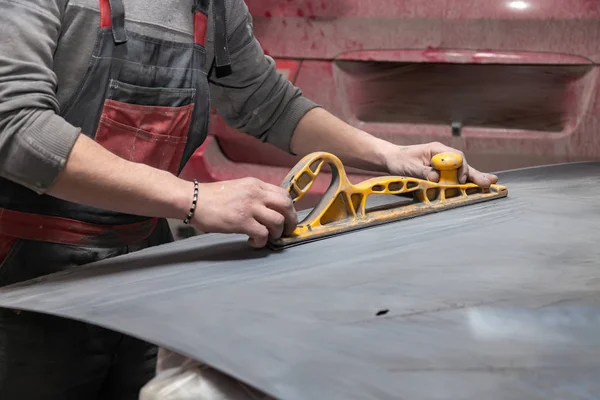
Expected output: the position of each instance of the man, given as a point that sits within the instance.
(101, 104)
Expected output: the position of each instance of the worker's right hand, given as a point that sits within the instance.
(246, 206)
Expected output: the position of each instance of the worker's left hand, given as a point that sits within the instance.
(415, 161)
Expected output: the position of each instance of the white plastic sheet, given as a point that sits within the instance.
(181, 378)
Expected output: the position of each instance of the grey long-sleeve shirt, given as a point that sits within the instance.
(45, 48)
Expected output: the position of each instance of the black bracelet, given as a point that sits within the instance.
(193, 208)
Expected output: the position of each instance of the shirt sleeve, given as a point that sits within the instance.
(256, 99)
(34, 140)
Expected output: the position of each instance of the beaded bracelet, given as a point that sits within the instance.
(193, 208)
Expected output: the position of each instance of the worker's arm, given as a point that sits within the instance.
(43, 152)
(96, 177)
(34, 140)
(256, 99)
(321, 131)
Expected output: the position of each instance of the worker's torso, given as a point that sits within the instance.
(146, 100)
(138, 85)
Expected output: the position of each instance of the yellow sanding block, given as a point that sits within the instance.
(343, 207)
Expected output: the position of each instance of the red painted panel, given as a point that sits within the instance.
(458, 56)
(537, 99)
(523, 9)
(325, 29)
(288, 68)
(315, 9)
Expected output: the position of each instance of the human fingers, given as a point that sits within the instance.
(268, 187)
(463, 172)
(273, 197)
(420, 171)
(482, 179)
(281, 202)
(271, 219)
(466, 173)
(258, 234)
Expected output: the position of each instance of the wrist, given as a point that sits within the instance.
(383, 153)
(182, 199)
(192, 211)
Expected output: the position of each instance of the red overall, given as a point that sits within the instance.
(146, 100)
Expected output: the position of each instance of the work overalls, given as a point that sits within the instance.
(146, 100)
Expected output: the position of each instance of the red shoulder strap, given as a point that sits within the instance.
(200, 24)
(105, 21)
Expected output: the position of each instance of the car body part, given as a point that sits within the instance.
(498, 300)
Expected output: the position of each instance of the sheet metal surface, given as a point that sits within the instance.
(498, 300)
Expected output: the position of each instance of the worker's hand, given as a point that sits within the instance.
(415, 161)
(246, 206)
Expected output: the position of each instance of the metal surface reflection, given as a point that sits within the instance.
(518, 5)
(567, 324)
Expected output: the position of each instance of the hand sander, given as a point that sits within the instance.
(343, 207)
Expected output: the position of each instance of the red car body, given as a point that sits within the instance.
(512, 83)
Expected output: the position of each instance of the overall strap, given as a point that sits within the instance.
(200, 11)
(112, 14)
(223, 63)
(48, 228)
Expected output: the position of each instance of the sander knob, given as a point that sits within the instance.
(447, 164)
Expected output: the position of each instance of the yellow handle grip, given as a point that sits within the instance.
(447, 164)
(300, 178)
